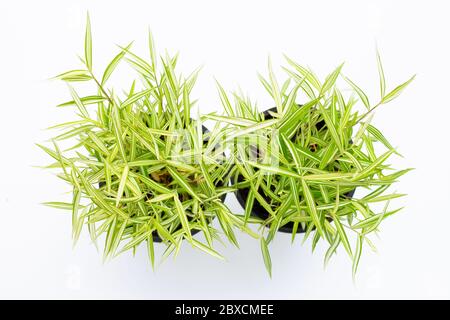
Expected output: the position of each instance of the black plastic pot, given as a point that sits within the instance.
(156, 237)
(258, 210)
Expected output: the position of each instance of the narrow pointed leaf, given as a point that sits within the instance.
(183, 219)
(381, 75)
(360, 93)
(312, 207)
(123, 180)
(113, 64)
(88, 44)
(266, 256)
(207, 249)
(396, 92)
(74, 76)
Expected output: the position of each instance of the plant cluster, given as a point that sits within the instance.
(303, 176)
(143, 170)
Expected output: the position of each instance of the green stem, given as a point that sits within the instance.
(368, 112)
(101, 88)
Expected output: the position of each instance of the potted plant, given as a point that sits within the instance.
(141, 169)
(299, 171)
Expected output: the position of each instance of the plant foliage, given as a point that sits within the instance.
(314, 157)
(142, 170)
(139, 168)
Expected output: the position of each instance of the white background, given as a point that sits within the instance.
(232, 39)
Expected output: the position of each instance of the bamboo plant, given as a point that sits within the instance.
(305, 157)
(140, 169)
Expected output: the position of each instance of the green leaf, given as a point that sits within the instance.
(75, 208)
(327, 176)
(117, 129)
(236, 121)
(300, 211)
(360, 93)
(396, 92)
(161, 197)
(290, 104)
(312, 207)
(381, 75)
(113, 64)
(308, 154)
(332, 249)
(73, 123)
(357, 256)
(74, 132)
(362, 129)
(98, 142)
(123, 180)
(293, 151)
(150, 183)
(206, 249)
(342, 235)
(379, 136)
(145, 163)
(276, 170)
(386, 197)
(88, 44)
(109, 238)
(331, 126)
(354, 160)
(137, 239)
(396, 175)
(183, 183)
(276, 94)
(74, 76)
(225, 101)
(54, 155)
(250, 129)
(366, 223)
(163, 233)
(84, 100)
(117, 237)
(289, 123)
(151, 250)
(59, 205)
(79, 227)
(151, 47)
(266, 84)
(310, 77)
(78, 103)
(207, 176)
(183, 219)
(186, 106)
(135, 97)
(328, 155)
(371, 169)
(331, 79)
(96, 196)
(266, 256)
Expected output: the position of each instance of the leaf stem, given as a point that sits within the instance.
(101, 88)
(367, 113)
